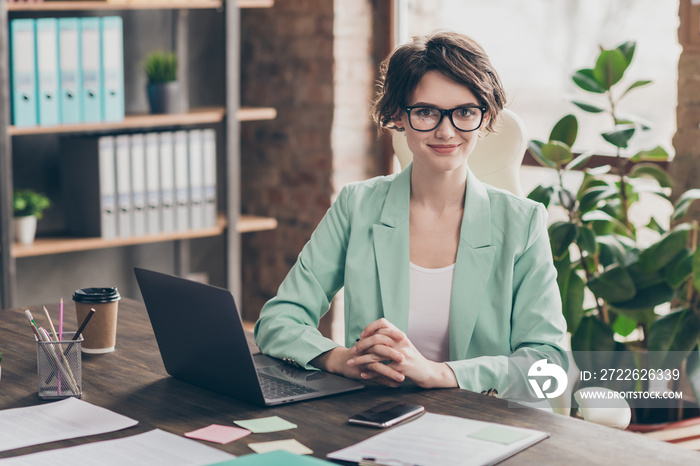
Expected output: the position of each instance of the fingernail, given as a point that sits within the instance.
(353, 350)
(363, 375)
(351, 362)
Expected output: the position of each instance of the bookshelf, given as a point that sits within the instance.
(230, 223)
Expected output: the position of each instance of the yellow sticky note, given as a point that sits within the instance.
(290, 445)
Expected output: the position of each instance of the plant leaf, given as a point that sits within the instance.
(611, 250)
(652, 171)
(620, 136)
(590, 199)
(613, 285)
(561, 235)
(602, 216)
(586, 107)
(593, 344)
(623, 325)
(696, 269)
(580, 160)
(682, 204)
(586, 240)
(679, 269)
(672, 337)
(609, 68)
(572, 303)
(542, 194)
(656, 256)
(654, 225)
(635, 85)
(657, 154)
(585, 80)
(647, 298)
(565, 130)
(557, 153)
(627, 50)
(536, 151)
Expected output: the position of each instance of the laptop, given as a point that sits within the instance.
(202, 341)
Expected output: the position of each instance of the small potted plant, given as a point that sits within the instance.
(163, 88)
(28, 206)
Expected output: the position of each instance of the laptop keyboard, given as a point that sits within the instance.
(274, 388)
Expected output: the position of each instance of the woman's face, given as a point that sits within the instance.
(445, 148)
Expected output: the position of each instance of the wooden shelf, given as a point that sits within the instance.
(59, 245)
(199, 116)
(134, 5)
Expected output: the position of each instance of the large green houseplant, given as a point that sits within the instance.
(621, 296)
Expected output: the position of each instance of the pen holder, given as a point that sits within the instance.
(59, 368)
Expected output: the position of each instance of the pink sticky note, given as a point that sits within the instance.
(217, 433)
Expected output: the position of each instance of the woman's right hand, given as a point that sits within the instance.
(336, 360)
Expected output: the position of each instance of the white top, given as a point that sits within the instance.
(429, 311)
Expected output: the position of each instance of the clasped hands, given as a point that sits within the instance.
(385, 355)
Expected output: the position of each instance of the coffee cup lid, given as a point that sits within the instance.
(96, 295)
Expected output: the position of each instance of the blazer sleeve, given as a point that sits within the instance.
(537, 323)
(288, 323)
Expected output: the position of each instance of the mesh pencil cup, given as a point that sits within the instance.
(59, 368)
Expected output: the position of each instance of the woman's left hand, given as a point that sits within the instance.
(382, 341)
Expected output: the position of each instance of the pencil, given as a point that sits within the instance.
(53, 329)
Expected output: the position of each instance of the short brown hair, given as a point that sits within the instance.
(455, 55)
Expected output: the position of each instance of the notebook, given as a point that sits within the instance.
(202, 341)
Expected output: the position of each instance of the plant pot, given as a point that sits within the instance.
(25, 229)
(166, 97)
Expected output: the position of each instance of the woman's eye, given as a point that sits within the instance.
(465, 112)
(425, 112)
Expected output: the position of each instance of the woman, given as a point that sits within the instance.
(446, 279)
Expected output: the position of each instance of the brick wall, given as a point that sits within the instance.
(310, 59)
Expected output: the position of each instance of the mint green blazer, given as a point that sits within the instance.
(505, 300)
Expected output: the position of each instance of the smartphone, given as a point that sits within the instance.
(386, 414)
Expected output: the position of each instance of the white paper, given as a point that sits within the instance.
(69, 418)
(150, 448)
(434, 439)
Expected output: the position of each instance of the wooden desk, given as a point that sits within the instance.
(132, 381)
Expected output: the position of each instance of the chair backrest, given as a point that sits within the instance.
(497, 157)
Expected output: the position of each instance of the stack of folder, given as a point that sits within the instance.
(140, 184)
(66, 70)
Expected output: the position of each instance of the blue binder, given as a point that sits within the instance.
(91, 66)
(112, 69)
(69, 69)
(47, 70)
(23, 64)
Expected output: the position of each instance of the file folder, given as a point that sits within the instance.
(124, 201)
(138, 184)
(89, 186)
(23, 64)
(182, 195)
(112, 69)
(167, 182)
(152, 168)
(91, 64)
(209, 156)
(69, 70)
(196, 181)
(47, 71)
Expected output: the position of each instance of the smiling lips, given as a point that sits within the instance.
(443, 148)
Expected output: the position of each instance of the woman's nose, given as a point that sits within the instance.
(445, 130)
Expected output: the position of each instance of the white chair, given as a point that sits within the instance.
(497, 157)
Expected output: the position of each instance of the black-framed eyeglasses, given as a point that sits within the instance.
(466, 118)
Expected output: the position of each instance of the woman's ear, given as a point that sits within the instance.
(398, 123)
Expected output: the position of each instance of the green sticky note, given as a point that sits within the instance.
(499, 435)
(266, 424)
(275, 458)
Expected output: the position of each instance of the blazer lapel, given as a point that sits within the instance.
(473, 267)
(391, 249)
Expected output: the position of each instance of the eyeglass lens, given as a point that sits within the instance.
(428, 118)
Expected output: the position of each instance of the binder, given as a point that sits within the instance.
(112, 69)
(124, 201)
(138, 184)
(209, 156)
(90, 60)
(152, 167)
(167, 183)
(182, 195)
(23, 64)
(89, 186)
(196, 179)
(69, 70)
(47, 71)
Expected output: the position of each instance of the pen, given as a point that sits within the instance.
(370, 461)
(76, 336)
